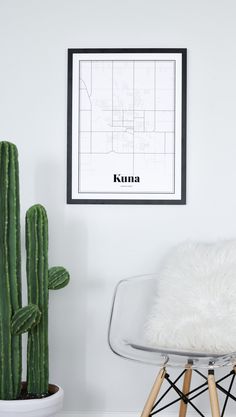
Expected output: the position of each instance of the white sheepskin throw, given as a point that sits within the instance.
(194, 307)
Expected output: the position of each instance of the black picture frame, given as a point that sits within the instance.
(143, 201)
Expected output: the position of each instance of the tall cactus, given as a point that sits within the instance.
(15, 320)
(40, 280)
(10, 271)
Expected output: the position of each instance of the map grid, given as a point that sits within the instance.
(113, 125)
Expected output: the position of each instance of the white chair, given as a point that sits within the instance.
(133, 305)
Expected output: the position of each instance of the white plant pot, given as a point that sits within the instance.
(43, 407)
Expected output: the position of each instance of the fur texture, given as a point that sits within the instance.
(194, 307)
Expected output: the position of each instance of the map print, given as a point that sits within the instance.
(127, 126)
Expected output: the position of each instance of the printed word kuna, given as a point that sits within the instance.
(124, 178)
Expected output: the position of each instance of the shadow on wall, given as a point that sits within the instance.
(68, 312)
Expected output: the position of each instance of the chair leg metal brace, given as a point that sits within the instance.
(215, 409)
(186, 396)
(154, 393)
(186, 389)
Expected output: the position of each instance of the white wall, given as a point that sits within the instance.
(101, 244)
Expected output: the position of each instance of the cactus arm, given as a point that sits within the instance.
(10, 274)
(25, 318)
(37, 278)
(58, 277)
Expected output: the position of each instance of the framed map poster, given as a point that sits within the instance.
(126, 126)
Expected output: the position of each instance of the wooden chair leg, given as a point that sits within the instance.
(186, 389)
(154, 393)
(215, 409)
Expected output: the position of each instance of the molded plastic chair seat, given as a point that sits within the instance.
(172, 358)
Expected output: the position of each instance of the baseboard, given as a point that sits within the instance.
(122, 414)
(103, 414)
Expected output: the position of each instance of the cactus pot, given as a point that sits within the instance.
(43, 407)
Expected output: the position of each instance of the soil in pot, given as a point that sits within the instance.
(24, 395)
